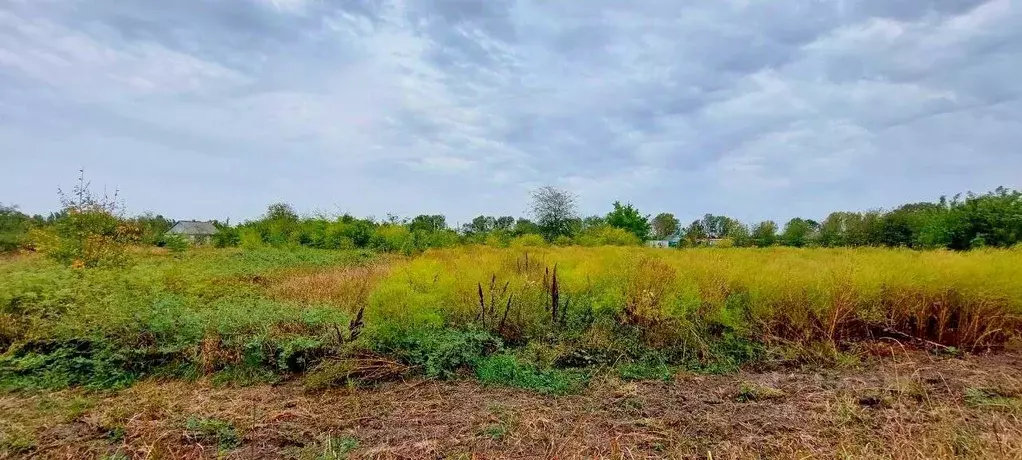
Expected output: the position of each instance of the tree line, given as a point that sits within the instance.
(962, 222)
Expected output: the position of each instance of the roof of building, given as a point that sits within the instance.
(193, 227)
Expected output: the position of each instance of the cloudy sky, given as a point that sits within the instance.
(752, 108)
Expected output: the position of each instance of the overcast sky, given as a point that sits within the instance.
(752, 108)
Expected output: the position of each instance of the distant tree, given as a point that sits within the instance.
(553, 209)
(627, 217)
(593, 222)
(14, 227)
(480, 225)
(664, 225)
(281, 211)
(832, 230)
(798, 232)
(504, 223)
(740, 235)
(525, 227)
(695, 233)
(428, 223)
(765, 234)
(152, 226)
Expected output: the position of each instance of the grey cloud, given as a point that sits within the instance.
(460, 106)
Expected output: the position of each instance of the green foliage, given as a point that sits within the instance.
(61, 364)
(14, 227)
(151, 227)
(439, 353)
(665, 225)
(628, 218)
(798, 232)
(994, 398)
(176, 243)
(765, 234)
(506, 369)
(160, 316)
(226, 236)
(646, 370)
(605, 235)
(526, 241)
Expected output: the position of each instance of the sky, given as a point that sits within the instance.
(754, 109)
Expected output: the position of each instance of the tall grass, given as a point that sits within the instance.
(265, 313)
(779, 295)
(205, 311)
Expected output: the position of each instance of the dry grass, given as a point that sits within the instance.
(910, 406)
(347, 287)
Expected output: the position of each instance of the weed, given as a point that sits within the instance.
(993, 398)
(645, 371)
(439, 353)
(213, 431)
(506, 369)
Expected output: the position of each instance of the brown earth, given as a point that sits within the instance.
(911, 406)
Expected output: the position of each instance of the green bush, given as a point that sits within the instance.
(438, 353)
(176, 243)
(506, 369)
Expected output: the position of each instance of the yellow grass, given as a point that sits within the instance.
(969, 299)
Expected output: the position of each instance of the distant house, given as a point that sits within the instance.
(671, 242)
(198, 232)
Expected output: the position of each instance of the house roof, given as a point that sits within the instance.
(193, 227)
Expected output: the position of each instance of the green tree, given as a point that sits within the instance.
(627, 217)
(525, 227)
(740, 235)
(798, 232)
(695, 233)
(14, 227)
(428, 223)
(665, 225)
(765, 234)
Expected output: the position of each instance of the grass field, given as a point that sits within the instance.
(557, 321)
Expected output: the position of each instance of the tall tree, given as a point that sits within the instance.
(428, 223)
(665, 225)
(695, 233)
(553, 210)
(765, 234)
(627, 217)
(798, 232)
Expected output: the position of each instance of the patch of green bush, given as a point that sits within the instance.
(439, 353)
(507, 369)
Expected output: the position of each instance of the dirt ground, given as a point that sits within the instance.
(911, 405)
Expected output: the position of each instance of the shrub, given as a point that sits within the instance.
(439, 353)
(605, 235)
(176, 243)
(506, 369)
(226, 237)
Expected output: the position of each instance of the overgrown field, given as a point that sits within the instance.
(542, 318)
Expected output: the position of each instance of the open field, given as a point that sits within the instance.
(524, 352)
